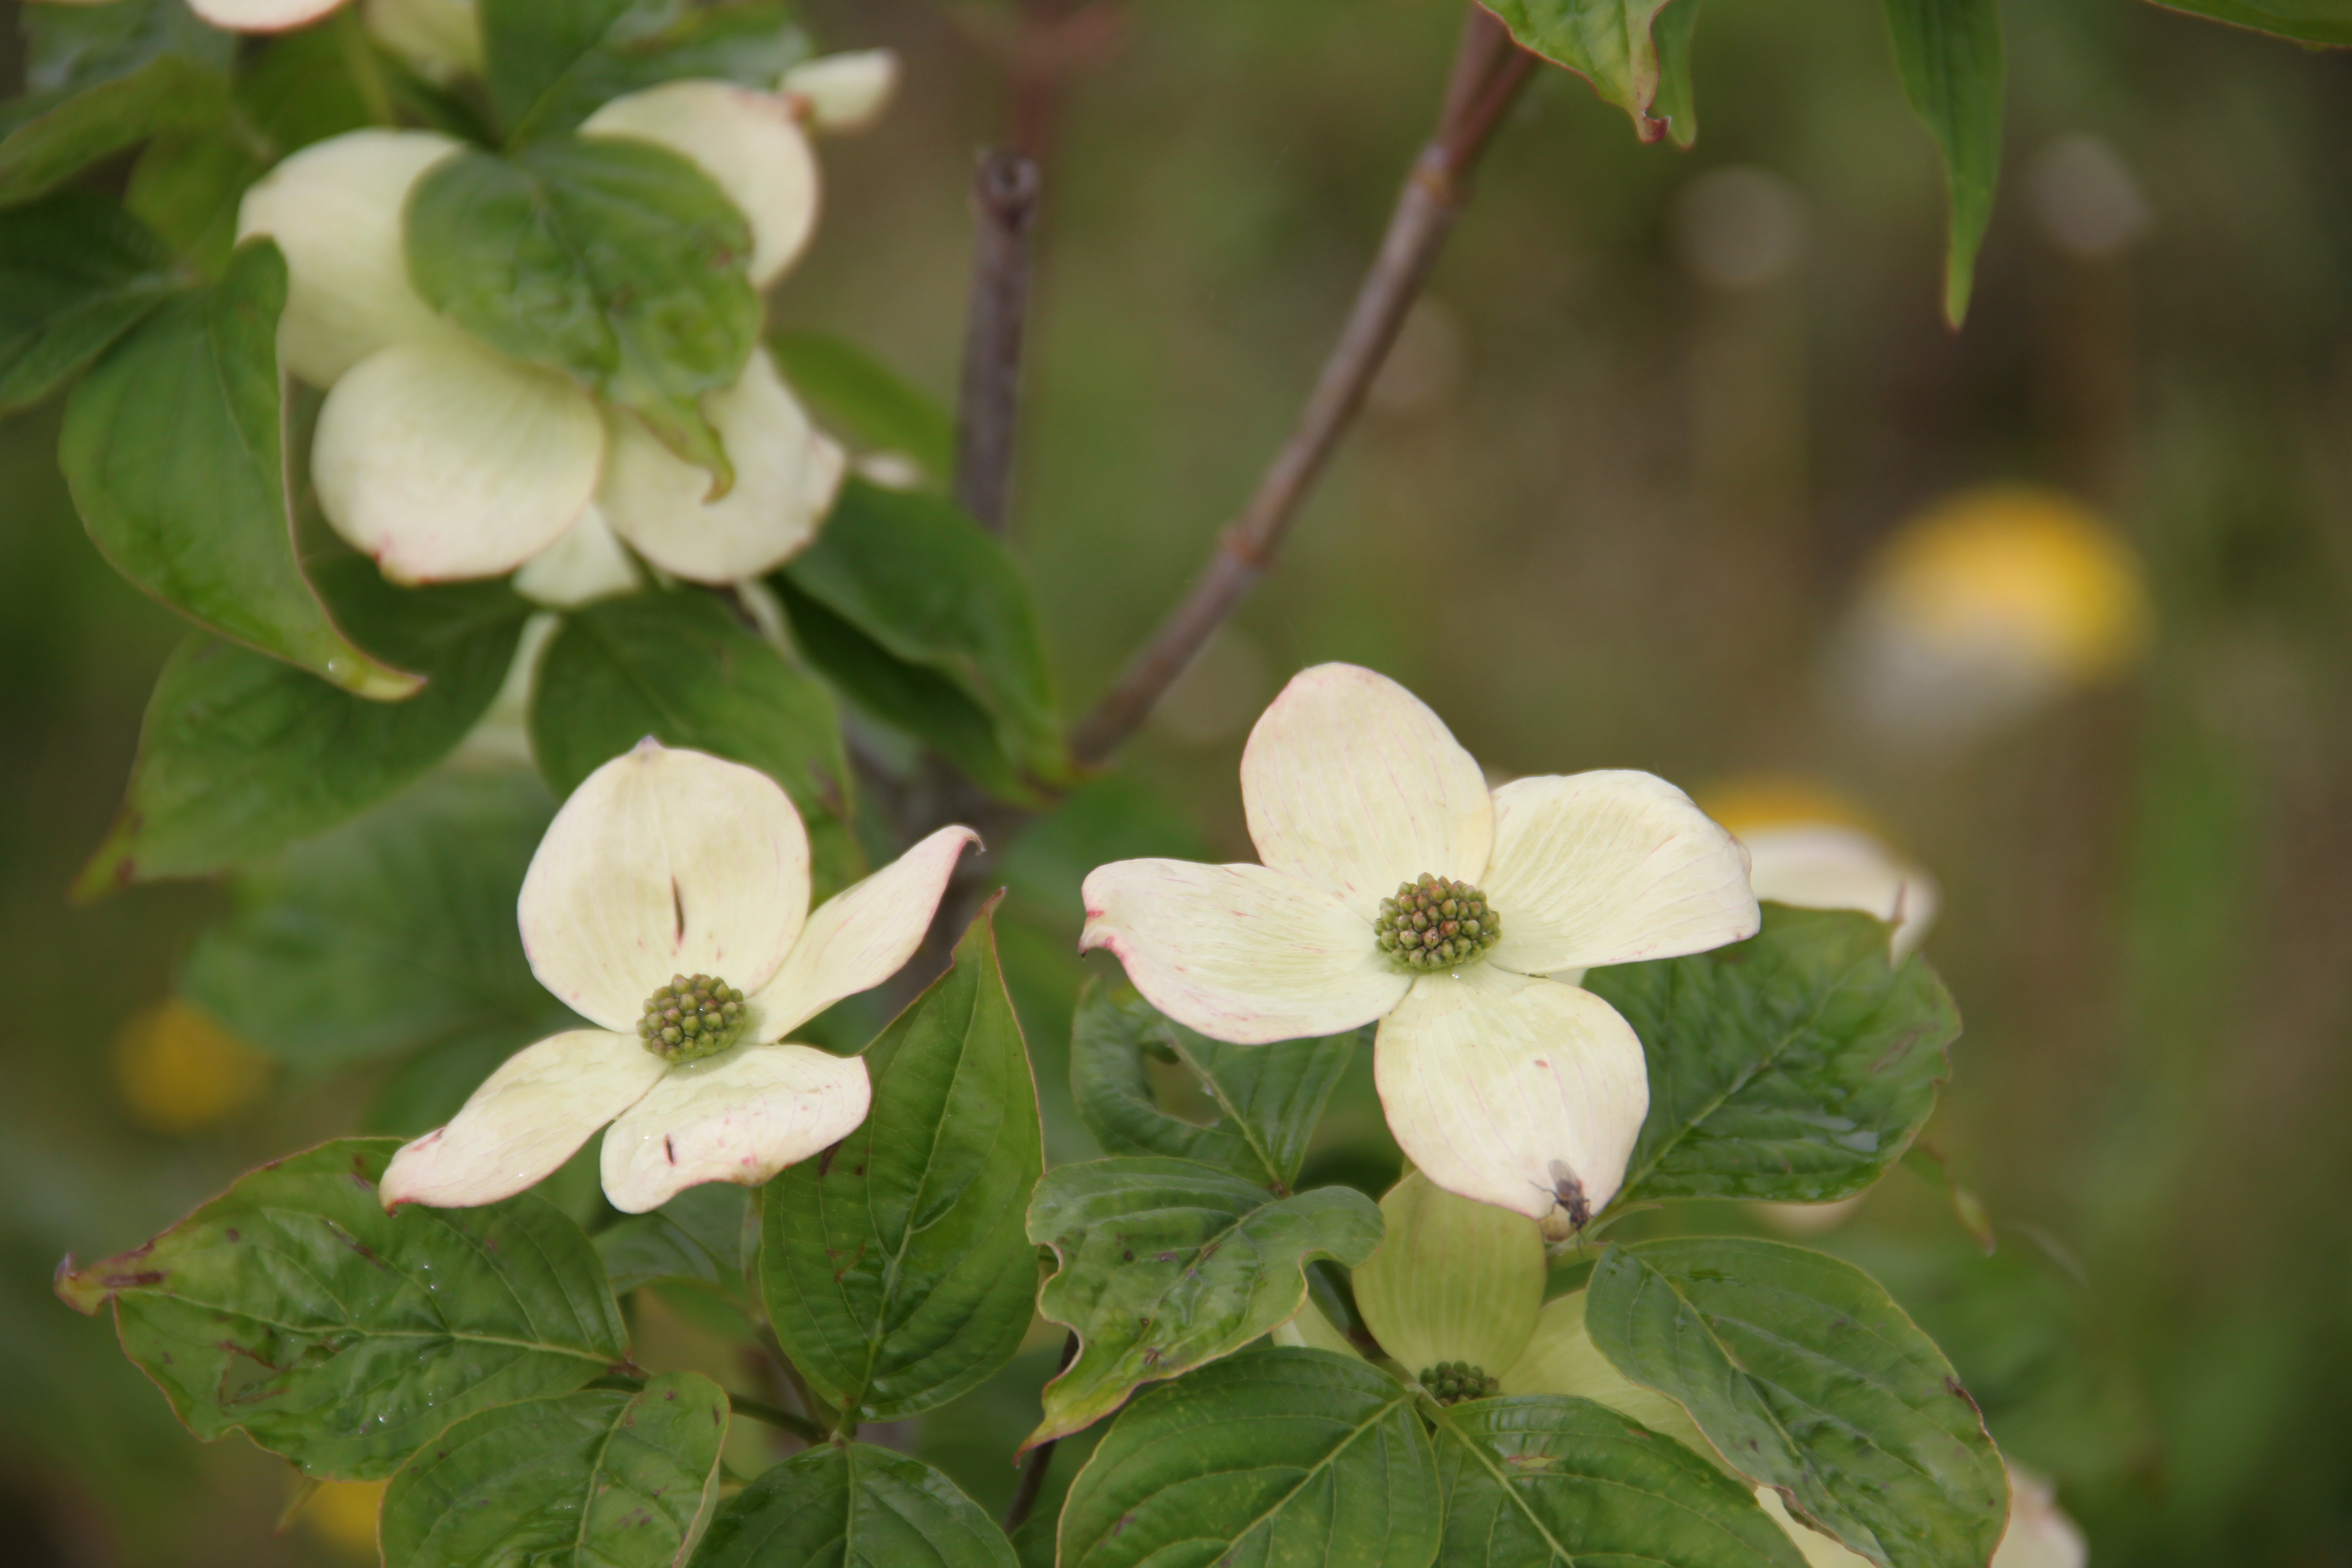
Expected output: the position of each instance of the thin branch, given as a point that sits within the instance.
(800, 1426)
(1488, 72)
(1005, 191)
(1032, 1468)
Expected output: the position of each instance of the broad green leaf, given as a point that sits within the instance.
(294, 1308)
(940, 596)
(1268, 1097)
(99, 78)
(707, 1236)
(1611, 44)
(1795, 1065)
(859, 398)
(1949, 52)
(75, 274)
(851, 1506)
(1807, 1377)
(1165, 1264)
(302, 86)
(894, 1268)
(679, 667)
(552, 63)
(172, 446)
(2305, 21)
(392, 932)
(599, 1478)
(241, 755)
(1543, 1481)
(614, 261)
(1285, 1458)
(186, 187)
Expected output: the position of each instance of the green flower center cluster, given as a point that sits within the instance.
(1436, 923)
(693, 1016)
(1452, 1381)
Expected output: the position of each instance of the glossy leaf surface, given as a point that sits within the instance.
(1268, 1097)
(1285, 1458)
(1165, 1264)
(344, 1338)
(394, 932)
(99, 78)
(1795, 1065)
(614, 261)
(76, 273)
(1609, 43)
(552, 63)
(174, 447)
(894, 1268)
(681, 668)
(1546, 1481)
(857, 397)
(240, 755)
(853, 1505)
(707, 1236)
(599, 1478)
(1806, 1376)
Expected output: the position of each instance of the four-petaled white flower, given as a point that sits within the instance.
(444, 458)
(666, 865)
(1502, 1085)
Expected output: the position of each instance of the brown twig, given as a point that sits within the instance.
(1488, 72)
(1005, 191)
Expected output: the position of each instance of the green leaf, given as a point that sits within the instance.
(1285, 1458)
(1795, 1065)
(1807, 1377)
(392, 932)
(1268, 1097)
(101, 77)
(857, 397)
(896, 1271)
(679, 667)
(1949, 52)
(552, 63)
(187, 187)
(2305, 21)
(614, 261)
(707, 1236)
(1677, 104)
(294, 1308)
(173, 447)
(600, 1479)
(1609, 43)
(941, 597)
(75, 275)
(241, 755)
(850, 1506)
(1166, 1265)
(1545, 1481)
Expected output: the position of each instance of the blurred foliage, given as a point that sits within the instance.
(1612, 494)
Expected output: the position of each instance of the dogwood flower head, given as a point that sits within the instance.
(669, 905)
(1503, 1085)
(444, 458)
(1808, 848)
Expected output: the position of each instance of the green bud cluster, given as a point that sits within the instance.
(1436, 923)
(1452, 1381)
(694, 1016)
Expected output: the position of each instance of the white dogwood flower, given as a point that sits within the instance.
(669, 905)
(444, 458)
(1395, 885)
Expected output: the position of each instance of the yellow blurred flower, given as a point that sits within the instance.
(1984, 606)
(343, 1514)
(178, 1070)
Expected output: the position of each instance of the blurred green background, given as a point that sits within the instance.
(1608, 508)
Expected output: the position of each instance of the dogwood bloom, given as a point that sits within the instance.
(1395, 885)
(444, 458)
(1809, 848)
(669, 905)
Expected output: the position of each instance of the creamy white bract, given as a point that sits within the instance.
(445, 459)
(1497, 1080)
(667, 863)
